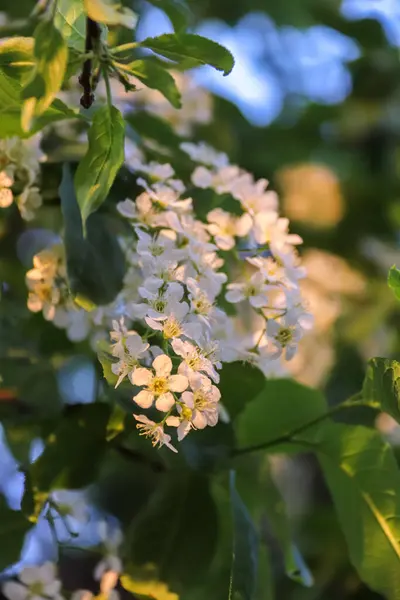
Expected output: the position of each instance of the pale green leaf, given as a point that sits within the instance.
(16, 56)
(245, 549)
(51, 57)
(98, 168)
(364, 481)
(110, 13)
(394, 281)
(70, 19)
(198, 49)
(382, 385)
(155, 76)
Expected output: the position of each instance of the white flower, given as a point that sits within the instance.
(200, 303)
(160, 304)
(28, 202)
(270, 229)
(255, 290)
(253, 195)
(133, 350)
(159, 385)
(284, 336)
(221, 181)
(173, 327)
(36, 583)
(205, 154)
(193, 360)
(154, 431)
(198, 407)
(225, 227)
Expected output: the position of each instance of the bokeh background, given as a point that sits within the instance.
(313, 105)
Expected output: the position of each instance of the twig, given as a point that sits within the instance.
(85, 79)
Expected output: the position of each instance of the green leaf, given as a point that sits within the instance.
(95, 264)
(382, 385)
(51, 54)
(200, 50)
(70, 20)
(282, 406)
(106, 359)
(154, 128)
(295, 565)
(156, 77)
(364, 481)
(394, 281)
(110, 13)
(176, 532)
(177, 11)
(13, 528)
(73, 452)
(240, 383)
(245, 549)
(98, 168)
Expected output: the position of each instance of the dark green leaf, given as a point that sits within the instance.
(295, 566)
(155, 128)
(194, 47)
(73, 452)
(155, 76)
(245, 549)
(177, 532)
(13, 528)
(382, 385)
(394, 281)
(95, 264)
(177, 11)
(240, 383)
(51, 57)
(364, 481)
(98, 168)
(282, 406)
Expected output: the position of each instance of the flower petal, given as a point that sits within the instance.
(141, 376)
(178, 383)
(165, 402)
(162, 365)
(144, 399)
(15, 591)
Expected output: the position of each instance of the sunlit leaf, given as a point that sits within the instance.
(70, 19)
(364, 481)
(110, 13)
(51, 57)
(98, 168)
(200, 50)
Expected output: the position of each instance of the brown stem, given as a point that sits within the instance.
(85, 79)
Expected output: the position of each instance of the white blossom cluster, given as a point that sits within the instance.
(19, 172)
(182, 272)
